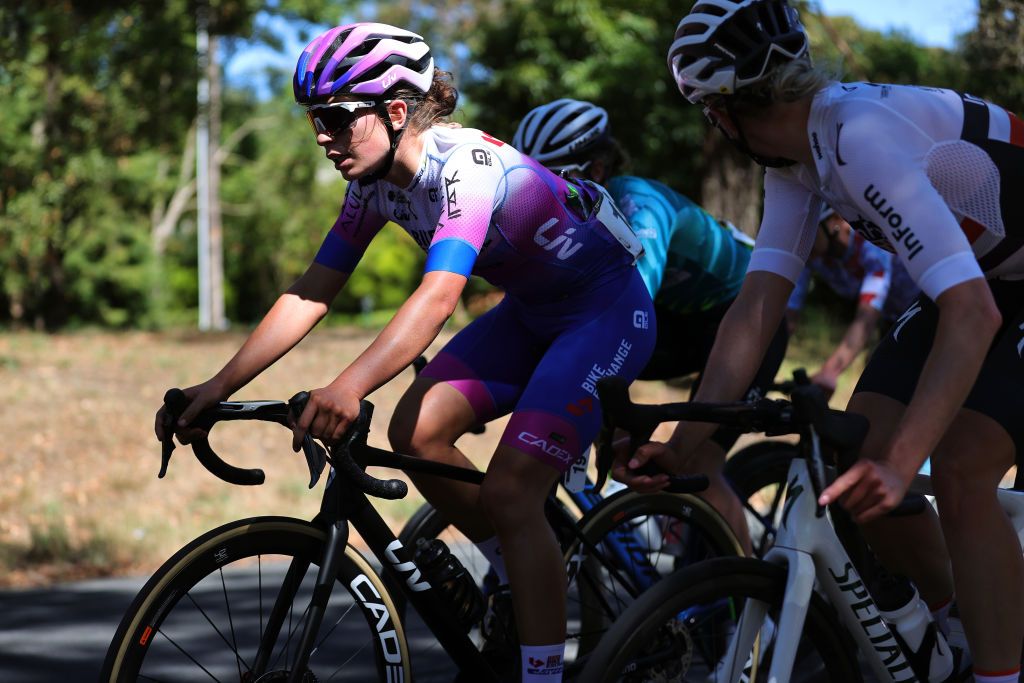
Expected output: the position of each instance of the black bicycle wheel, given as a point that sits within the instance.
(758, 475)
(639, 540)
(204, 614)
(681, 628)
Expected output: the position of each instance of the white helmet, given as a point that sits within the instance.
(560, 132)
(723, 45)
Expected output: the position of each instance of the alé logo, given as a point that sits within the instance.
(566, 247)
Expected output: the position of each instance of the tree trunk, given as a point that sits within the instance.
(732, 185)
(218, 320)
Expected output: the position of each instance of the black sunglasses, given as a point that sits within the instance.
(332, 119)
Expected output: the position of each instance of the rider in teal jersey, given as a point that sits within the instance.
(693, 265)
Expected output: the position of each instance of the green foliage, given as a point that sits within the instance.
(611, 52)
(99, 100)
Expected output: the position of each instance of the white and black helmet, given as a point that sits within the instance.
(723, 45)
(557, 133)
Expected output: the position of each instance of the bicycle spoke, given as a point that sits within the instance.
(334, 626)
(213, 626)
(182, 651)
(286, 651)
(345, 663)
(231, 625)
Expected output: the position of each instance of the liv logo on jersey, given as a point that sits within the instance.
(914, 309)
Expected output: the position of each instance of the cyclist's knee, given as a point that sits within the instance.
(509, 503)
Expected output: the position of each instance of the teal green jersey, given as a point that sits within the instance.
(691, 261)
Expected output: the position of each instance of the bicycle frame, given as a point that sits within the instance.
(807, 546)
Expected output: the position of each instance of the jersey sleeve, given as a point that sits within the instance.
(884, 174)
(473, 182)
(356, 225)
(786, 235)
(874, 287)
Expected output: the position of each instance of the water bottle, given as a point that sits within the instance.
(446, 574)
(902, 608)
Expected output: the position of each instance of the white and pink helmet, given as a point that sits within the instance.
(367, 59)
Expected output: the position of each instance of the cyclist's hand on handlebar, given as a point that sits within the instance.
(328, 414)
(201, 397)
(624, 467)
(867, 490)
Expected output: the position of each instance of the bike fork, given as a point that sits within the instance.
(334, 550)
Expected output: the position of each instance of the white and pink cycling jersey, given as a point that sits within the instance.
(478, 206)
(929, 174)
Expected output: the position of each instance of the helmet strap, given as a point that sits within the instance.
(741, 142)
(394, 136)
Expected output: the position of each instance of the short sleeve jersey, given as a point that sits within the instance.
(865, 273)
(931, 175)
(691, 261)
(478, 206)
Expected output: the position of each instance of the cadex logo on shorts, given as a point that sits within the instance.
(549, 446)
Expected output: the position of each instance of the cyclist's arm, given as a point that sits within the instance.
(874, 291)
(783, 245)
(291, 318)
(416, 324)
(743, 337)
(857, 335)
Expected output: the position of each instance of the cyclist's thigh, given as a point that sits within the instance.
(611, 333)
(490, 361)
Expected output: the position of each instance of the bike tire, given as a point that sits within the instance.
(177, 627)
(671, 530)
(678, 630)
(758, 475)
(596, 596)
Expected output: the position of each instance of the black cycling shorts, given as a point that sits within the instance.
(999, 390)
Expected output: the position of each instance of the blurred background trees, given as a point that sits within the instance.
(97, 135)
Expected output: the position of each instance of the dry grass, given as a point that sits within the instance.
(79, 460)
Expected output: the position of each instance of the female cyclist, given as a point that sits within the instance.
(576, 307)
(692, 264)
(934, 176)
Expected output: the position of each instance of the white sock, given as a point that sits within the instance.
(491, 549)
(542, 663)
(996, 677)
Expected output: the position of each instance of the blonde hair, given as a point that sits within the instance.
(788, 82)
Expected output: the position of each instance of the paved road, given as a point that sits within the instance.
(60, 634)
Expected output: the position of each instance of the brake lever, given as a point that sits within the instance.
(167, 445)
(175, 403)
(316, 455)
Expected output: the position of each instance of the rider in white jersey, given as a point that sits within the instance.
(935, 177)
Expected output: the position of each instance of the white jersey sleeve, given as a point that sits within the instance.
(883, 170)
(788, 227)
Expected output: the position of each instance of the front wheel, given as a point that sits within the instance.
(230, 606)
(681, 630)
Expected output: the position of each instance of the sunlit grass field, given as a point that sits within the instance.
(79, 461)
